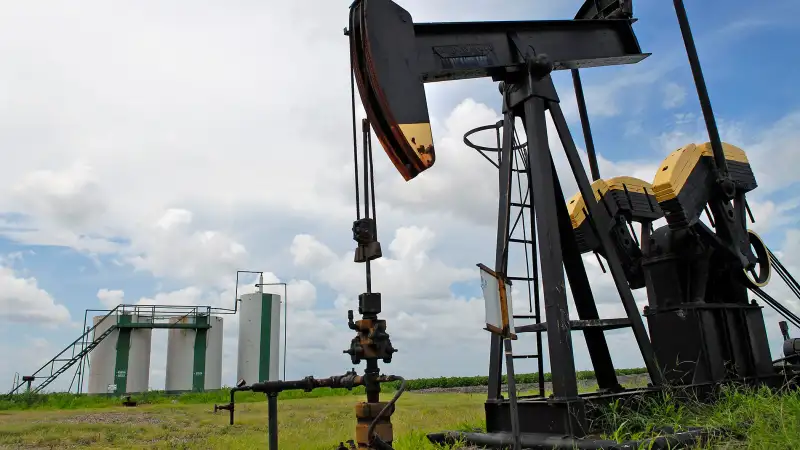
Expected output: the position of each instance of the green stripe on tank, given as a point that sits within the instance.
(199, 372)
(123, 356)
(264, 347)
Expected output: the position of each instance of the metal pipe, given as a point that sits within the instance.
(587, 130)
(230, 407)
(702, 91)
(236, 290)
(272, 413)
(346, 381)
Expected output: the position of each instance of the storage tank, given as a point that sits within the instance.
(259, 337)
(120, 364)
(194, 356)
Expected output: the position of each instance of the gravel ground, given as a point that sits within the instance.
(625, 380)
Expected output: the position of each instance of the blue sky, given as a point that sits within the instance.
(151, 152)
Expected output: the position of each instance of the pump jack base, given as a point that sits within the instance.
(550, 441)
(543, 424)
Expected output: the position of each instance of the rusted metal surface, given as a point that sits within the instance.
(366, 413)
(371, 342)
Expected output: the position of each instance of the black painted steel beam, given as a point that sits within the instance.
(393, 57)
(457, 51)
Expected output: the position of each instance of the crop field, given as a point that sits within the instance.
(321, 419)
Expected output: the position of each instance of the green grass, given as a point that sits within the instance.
(756, 419)
(751, 418)
(75, 401)
(305, 424)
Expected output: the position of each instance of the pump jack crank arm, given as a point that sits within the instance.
(393, 58)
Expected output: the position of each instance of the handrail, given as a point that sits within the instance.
(155, 312)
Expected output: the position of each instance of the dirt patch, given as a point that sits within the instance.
(115, 418)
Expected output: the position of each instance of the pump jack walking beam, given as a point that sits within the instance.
(393, 57)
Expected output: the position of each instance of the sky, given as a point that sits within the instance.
(153, 148)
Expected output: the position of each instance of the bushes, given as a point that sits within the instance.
(76, 401)
(521, 378)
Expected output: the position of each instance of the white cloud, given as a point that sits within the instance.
(770, 150)
(111, 298)
(71, 197)
(27, 361)
(161, 153)
(308, 252)
(416, 300)
(674, 95)
(174, 249)
(22, 300)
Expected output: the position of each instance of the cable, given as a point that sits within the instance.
(365, 133)
(787, 277)
(355, 127)
(780, 309)
(372, 178)
(389, 405)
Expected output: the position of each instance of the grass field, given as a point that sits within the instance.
(319, 420)
(305, 424)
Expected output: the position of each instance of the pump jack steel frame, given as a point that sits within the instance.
(392, 59)
(514, 53)
(564, 412)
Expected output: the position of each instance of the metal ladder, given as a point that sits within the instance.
(519, 210)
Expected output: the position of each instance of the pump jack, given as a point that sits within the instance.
(703, 330)
(696, 276)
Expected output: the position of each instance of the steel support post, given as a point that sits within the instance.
(628, 302)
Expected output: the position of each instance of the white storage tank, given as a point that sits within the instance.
(194, 354)
(120, 364)
(259, 337)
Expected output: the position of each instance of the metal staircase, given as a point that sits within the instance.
(64, 360)
(77, 352)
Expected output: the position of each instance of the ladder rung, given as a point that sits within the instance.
(520, 205)
(520, 241)
(601, 324)
(521, 278)
(526, 316)
(525, 356)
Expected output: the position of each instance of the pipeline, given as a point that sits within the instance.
(230, 407)
(549, 441)
(347, 381)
